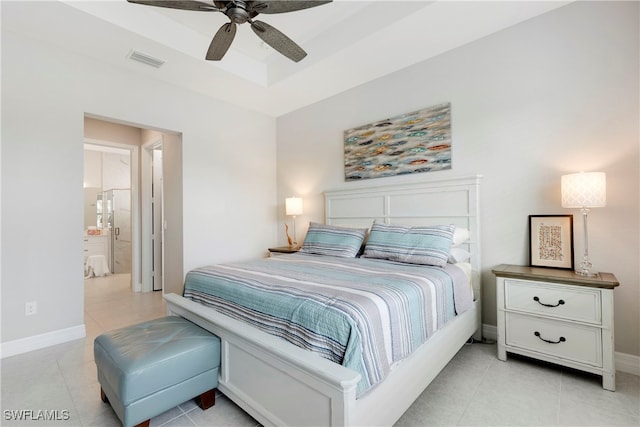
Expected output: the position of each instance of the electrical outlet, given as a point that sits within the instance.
(30, 308)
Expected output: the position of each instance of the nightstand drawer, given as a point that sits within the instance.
(562, 301)
(577, 343)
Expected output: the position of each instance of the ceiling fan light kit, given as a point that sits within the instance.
(239, 12)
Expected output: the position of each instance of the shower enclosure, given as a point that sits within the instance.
(114, 213)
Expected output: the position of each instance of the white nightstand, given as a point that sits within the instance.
(557, 316)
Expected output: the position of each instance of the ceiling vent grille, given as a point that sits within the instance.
(145, 59)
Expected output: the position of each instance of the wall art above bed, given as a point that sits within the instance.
(414, 142)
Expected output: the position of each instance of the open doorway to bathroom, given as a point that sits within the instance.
(107, 211)
(156, 201)
(111, 171)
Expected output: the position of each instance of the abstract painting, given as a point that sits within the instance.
(414, 142)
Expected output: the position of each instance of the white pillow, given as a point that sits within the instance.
(460, 235)
(457, 255)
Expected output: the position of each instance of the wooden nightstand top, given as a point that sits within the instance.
(602, 280)
(285, 249)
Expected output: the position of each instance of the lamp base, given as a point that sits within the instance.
(586, 273)
(584, 269)
(291, 241)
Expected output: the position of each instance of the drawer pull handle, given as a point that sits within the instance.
(562, 339)
(560, 302)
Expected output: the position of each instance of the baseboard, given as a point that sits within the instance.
(490, 332)
(36, 342)
(627, 363)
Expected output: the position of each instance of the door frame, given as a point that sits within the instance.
(134, 151)
(146, 214)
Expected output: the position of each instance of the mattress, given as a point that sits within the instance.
(361, 313)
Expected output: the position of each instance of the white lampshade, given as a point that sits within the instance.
(293, 206)
(584, 190)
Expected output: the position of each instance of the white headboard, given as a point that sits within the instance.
(447, 201)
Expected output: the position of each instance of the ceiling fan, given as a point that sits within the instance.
(240, 12)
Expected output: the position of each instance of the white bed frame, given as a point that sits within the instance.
(280, 384)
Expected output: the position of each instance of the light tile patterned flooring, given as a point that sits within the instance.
(475, 389)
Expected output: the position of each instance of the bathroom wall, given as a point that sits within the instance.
(102, 171)
(110, 170)
(92, 185)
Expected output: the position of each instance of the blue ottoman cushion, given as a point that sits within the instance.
(151, 367)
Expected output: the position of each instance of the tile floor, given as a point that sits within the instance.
(475, 389)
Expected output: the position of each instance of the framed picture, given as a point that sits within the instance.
(551, 241)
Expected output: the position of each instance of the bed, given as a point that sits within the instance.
(279, 383)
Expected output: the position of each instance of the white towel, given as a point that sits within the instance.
(96, 265)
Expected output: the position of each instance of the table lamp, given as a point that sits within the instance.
(584, 190)
(293, 207)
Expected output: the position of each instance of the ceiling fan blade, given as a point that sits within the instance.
(282, 6)
(199, 6)
(221, 42)
(278, 41)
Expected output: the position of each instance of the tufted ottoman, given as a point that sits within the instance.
(149, 368)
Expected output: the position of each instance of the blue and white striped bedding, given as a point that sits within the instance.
(364, 314)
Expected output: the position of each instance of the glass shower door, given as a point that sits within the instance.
(118, 215)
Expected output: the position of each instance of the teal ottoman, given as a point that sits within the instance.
(149, 368)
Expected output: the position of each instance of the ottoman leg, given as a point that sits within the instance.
(207, 399)
(105, 399)
(103, 396)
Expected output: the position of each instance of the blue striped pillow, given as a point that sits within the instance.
(333, 241)
(429, 245)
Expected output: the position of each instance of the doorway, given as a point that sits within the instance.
(153, 205)
(108, 209)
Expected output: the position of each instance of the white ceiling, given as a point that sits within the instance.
(348, 42)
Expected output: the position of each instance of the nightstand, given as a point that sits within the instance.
(280, 250)
(557, 316)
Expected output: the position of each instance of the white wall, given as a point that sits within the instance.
(227, 197)
(553, 95)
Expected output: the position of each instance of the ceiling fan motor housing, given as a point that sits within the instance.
(238, 13)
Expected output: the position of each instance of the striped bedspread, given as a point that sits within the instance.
(361, 313)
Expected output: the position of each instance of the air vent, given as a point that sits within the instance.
(145, 59)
